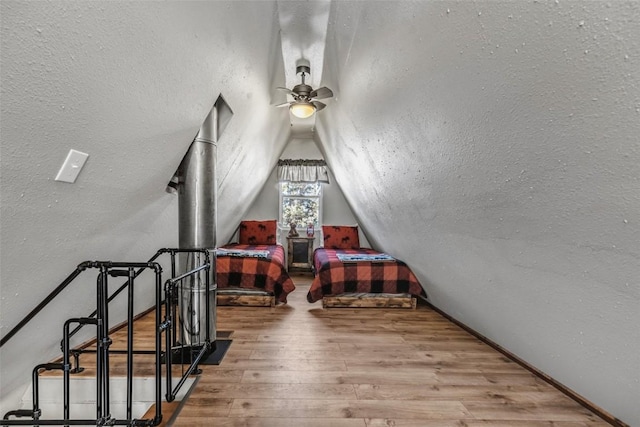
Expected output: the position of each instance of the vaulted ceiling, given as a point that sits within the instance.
(303, 32)
(491, 145)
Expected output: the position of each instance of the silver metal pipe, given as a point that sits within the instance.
(197, 213)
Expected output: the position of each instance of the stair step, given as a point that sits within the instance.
(82, 393)
(51, 410)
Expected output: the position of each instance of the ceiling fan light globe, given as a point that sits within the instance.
(302, 110)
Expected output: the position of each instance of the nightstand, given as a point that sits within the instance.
(300, 253)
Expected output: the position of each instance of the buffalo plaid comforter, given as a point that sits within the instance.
(334, 277)
(266, 274)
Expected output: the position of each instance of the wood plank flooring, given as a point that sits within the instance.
(299, 365)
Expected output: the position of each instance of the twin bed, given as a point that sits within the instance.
(348, 275)
(343, 270)
(254, 267)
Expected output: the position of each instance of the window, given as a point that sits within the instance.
(300, 202)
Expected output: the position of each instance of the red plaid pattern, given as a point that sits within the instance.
(267, 274)
(258, 232)
(340, 237)
(334, 277)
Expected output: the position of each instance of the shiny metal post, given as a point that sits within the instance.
(197, 210)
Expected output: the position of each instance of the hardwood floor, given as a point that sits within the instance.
(299, 365)
(304, 366)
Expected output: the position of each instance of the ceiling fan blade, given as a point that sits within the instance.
(286, 90)
(285, 104)
(319, 105)
(321, 93)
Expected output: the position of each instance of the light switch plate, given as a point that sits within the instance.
(72, 166)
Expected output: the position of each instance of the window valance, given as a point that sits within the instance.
(303, 170)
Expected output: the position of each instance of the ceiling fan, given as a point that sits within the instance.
(305, 102)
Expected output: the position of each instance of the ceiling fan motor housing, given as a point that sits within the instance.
(305, 99)
(302, 90)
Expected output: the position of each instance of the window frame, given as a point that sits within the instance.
(285, 226)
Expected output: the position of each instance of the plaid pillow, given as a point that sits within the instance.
(340, 237)
(258, 232)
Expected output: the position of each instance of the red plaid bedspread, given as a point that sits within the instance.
(267, 274)
(334, 277)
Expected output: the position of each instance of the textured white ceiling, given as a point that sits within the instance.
(303, 31)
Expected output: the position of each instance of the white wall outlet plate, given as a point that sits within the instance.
(72, 166)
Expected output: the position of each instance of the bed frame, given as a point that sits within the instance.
(370, 301)
(245, 298)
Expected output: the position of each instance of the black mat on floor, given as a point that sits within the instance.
(216, 357)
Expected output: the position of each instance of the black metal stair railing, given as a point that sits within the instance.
(187, 355)
(100, 320)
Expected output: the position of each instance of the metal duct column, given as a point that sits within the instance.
(197, 208)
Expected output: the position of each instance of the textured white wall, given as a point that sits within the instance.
(129, 83)
(494, 146)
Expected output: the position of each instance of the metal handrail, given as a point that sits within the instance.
(171, 287)
(117, 292)
(171, 251)
(99, 319)
(81, 267)
(62, 286)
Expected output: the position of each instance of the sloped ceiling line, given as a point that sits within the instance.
(303, 33)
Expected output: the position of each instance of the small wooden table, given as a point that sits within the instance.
(300, 253)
